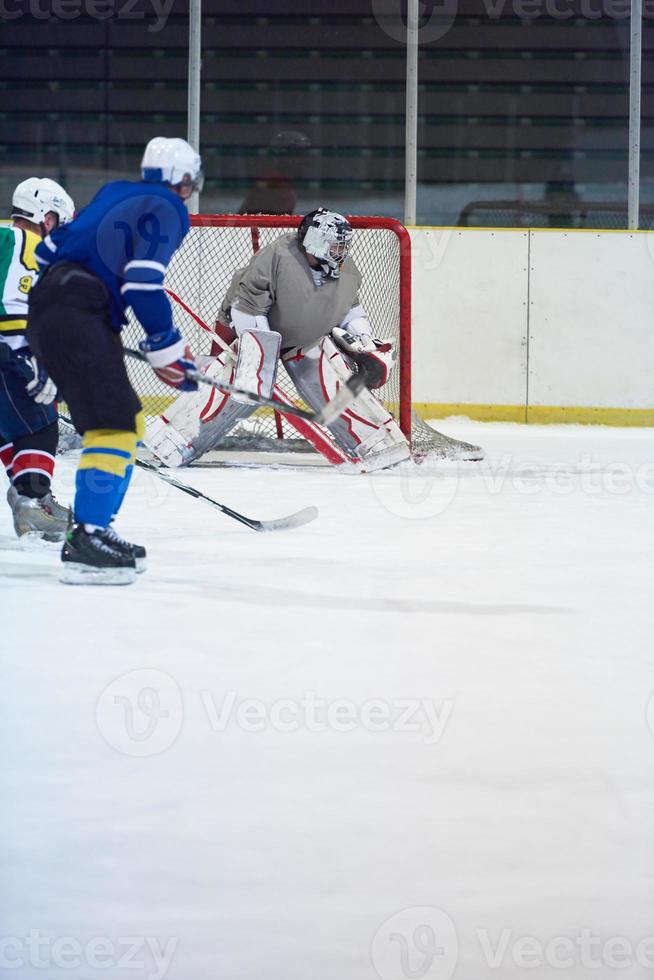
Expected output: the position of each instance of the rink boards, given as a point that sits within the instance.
(540, 325)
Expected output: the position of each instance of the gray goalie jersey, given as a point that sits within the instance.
(278, 283)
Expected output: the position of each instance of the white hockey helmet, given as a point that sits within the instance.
(172, 161)
(327, 236)
(38, 196)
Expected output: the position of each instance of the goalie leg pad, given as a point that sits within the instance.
(366, 430)
(256, 367)
(219, 424)
(196, 421)
(166, 442)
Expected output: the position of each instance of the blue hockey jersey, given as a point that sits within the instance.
(126, 236)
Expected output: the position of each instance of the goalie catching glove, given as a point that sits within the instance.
(376, 358)
(170, 358)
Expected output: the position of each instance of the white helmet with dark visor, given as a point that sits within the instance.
(327, 236)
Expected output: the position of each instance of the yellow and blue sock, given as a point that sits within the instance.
(140, 432)
(104, 472)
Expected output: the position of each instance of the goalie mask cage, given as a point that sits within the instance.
(200, 274)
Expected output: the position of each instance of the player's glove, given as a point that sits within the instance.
(170, 358)
(41, 387)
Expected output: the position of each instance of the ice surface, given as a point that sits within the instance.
(210, 803)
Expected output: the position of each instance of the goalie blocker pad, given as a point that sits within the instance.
(366, 431)
(256, 365)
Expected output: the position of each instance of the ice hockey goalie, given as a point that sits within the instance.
(296, 301)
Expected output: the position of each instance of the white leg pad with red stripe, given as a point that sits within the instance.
(167, 444)
(366, 435)
(197, 420)
(365, 431)
(256, 367)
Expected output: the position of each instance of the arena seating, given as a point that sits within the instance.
(502, 100)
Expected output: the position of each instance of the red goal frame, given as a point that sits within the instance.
(256, 221)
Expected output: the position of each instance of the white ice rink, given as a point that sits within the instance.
(413, 739)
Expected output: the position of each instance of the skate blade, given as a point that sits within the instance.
(35, 541)
(31, 534)
(74, 573)
(55, 537)
(141, 565)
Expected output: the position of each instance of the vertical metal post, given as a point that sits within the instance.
(635, 58)
(194, 74)
(411, 140)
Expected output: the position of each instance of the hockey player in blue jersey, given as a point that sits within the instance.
(113, 255)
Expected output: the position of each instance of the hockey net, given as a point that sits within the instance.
(201, 271)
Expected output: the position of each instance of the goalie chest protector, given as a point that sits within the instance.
(278, 283)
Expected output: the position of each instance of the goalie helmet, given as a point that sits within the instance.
(172, 161)
(327, 236)
(38, 196)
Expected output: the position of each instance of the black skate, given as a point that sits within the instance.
(136, 551)
(89, 558)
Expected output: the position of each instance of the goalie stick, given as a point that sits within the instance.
(298, 519)
(327, 414)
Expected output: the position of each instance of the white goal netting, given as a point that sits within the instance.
(200, 273)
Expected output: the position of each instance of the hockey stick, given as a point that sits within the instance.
(298, 519)
(313, 434)
(327, 414)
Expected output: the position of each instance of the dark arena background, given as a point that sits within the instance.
(520, 101)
